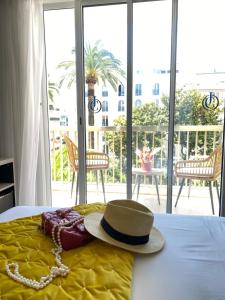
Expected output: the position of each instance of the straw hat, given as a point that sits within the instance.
(126, 224)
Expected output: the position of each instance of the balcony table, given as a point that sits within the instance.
(138, 172)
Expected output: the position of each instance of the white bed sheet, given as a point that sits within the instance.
(190, 267)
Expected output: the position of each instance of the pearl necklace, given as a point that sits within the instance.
(59, 270)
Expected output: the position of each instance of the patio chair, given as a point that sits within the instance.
(208, 169)
(95, 161)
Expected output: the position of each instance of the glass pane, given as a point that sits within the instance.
(105, 51)
(199, 106)
(151, 69)
(60, 45)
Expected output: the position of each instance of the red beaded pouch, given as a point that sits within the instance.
(66, 227)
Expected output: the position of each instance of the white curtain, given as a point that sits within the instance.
(23, 99)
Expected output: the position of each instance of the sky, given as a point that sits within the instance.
(201, 31)
(200, 46)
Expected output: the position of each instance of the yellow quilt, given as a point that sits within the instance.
(98, 271)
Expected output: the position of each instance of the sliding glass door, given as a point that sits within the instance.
(62, 108)
(147, 87)
(148, 97)
(151, 85)
(124, 109)
(105, 34)
(199, 106)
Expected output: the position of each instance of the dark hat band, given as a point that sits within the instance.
(125, 238)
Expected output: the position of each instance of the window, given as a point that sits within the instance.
(104, 91)
(121, 90)
(138, 103)
(105, 121)
(139, 72)
(156, 71)
(121, 105)
(155, 89)
(138, 89)
(105, 107)
(54, 119)
(64, 121)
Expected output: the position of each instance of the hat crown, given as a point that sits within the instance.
(129, 217)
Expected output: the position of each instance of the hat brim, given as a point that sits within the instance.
(93, 226)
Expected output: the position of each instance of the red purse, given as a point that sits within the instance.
(66, 227)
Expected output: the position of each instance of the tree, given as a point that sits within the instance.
(146, 115)
(52, 91)
(188, 111)
(100, 65)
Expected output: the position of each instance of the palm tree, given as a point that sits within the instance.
(100, 65)
(52, 91)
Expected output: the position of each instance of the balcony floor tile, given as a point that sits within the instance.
(198, 204)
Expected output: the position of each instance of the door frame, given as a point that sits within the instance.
(79, 6)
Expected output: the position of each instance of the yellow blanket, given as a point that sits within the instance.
(97, 270)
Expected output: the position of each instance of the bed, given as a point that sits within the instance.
(190, 267)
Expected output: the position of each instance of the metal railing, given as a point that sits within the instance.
(190, 142)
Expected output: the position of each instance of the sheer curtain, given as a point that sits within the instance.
(23, 99)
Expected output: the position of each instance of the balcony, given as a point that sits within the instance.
(190, 142)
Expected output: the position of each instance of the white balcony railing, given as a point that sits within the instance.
(190, 141)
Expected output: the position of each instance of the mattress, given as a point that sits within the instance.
(190, 267)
